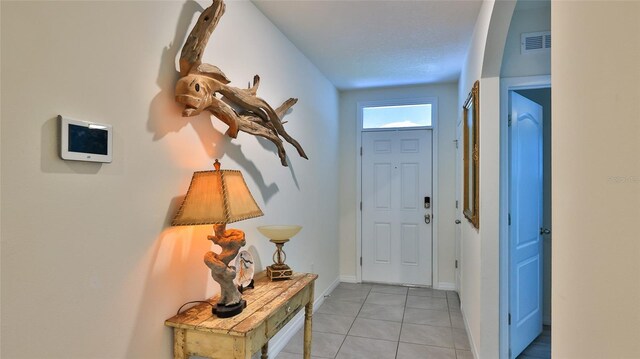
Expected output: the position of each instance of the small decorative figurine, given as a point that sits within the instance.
(245, 268)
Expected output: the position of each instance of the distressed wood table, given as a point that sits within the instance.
(270, 305)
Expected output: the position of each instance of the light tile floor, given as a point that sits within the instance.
(368, 321)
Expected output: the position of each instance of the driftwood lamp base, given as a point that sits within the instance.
(231, 240)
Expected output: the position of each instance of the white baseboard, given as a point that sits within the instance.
(278, 342)
(446, 286)
(348, 279)
(472, 343)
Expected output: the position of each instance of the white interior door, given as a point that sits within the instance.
(396, 228)
(525, 245)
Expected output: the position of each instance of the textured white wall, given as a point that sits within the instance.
(480, 248)
(470, 246)
(596, 179)
(447, 112)
(90, 266)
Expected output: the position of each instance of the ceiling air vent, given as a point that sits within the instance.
(535, 42)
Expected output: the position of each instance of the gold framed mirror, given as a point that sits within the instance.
(471, 110)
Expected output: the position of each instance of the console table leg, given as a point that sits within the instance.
(179, 345)
(308, 314)
(265, 351)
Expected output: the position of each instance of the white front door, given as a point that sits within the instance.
(525, 245)
(396, 226)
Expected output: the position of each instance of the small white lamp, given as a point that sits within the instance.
(279, 235)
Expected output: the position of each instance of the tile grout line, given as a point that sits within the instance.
(402, 322)
(404, 310)
(455, 350)
(351, 326)
(453, 339)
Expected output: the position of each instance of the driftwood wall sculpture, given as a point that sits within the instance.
(201, 84)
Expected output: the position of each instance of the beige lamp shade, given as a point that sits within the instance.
(216, 197)
(279, 232)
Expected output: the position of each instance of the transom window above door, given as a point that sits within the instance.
(398, 116)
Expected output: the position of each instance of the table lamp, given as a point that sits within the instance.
(219, 197)
(279, 235)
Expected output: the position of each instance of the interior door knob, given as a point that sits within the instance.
(545, 231)
(458, 221)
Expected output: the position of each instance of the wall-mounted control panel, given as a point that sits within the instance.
(85, 141)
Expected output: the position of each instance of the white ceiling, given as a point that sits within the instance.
(361, 44)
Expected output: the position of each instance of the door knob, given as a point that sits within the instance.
(458, 221)
(427, 218)
(545, 231)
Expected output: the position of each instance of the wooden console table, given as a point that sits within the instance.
(270, 305)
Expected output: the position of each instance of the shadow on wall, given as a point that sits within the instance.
(175, 273)
(165, 114)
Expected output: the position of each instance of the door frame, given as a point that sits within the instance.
(434, 176)
(508, 84)
(458, 208)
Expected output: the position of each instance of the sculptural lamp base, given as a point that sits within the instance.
(226, 311)
(278, 270)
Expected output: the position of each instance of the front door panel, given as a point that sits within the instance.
(396, 177)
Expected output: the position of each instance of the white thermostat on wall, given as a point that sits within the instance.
(85, 141)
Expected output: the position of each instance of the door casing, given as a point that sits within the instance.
(458, 209)
(434, 199)
(506, 85)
